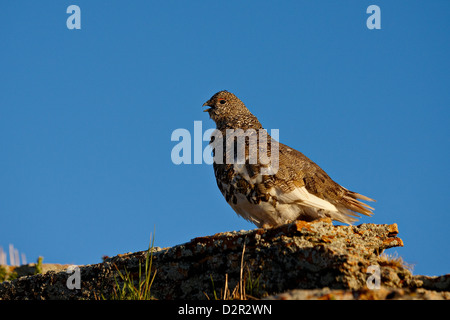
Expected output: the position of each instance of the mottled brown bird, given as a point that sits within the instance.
(270, 193)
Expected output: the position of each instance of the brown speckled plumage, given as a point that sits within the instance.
(300, 189)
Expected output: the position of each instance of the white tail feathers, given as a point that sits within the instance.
(313, 207)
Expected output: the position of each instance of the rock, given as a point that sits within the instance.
(384, 293)
(300, 260)
(30, 269)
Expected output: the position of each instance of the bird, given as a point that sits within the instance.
(272, 193)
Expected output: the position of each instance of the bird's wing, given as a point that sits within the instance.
(315, 187)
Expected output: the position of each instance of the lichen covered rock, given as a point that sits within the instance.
(300, 259)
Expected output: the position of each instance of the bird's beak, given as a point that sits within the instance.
(207, 104)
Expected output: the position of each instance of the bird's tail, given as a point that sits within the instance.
(348, 209)
(351, 206)
(354, 204)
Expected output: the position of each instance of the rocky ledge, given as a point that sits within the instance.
(300, 260)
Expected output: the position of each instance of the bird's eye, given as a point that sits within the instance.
(222, 101)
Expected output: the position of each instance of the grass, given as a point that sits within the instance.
(394, 260)
(128, 288)
(248, 287)
(5, 275)
(38, 267)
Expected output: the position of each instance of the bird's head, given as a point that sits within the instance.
(225, 109)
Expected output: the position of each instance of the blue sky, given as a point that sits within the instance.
(86, 116)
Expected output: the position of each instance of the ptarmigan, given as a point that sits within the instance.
(270, 193)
